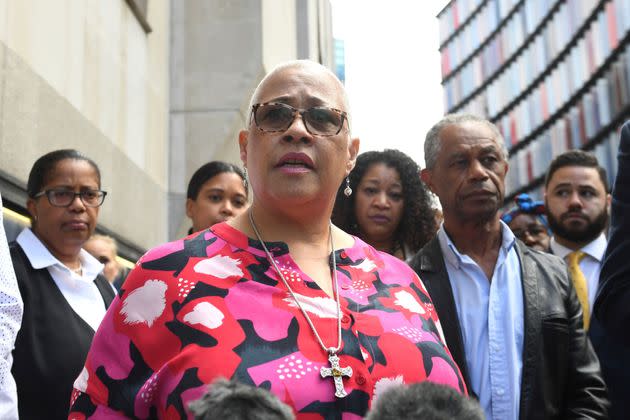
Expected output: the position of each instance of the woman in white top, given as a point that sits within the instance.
(11, 318)
(64, 296)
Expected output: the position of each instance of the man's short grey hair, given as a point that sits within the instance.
(302, 64)
(432, 141)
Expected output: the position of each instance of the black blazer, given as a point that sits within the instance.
(612, 305)
(52, 343)
(561, 376)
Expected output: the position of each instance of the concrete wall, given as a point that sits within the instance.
(216, 62)
(149, 108)
(84, 74)
(220, 50)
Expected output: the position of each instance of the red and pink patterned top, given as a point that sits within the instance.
(210, 305)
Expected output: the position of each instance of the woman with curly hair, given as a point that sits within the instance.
(390, 208)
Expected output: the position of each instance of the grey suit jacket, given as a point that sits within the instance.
(561, 374)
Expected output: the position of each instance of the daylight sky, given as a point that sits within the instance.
(392, 70)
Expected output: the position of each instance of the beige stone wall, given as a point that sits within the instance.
(84, 74)
(149, 108)
(220, 50)
(216, 62)
(278, 32)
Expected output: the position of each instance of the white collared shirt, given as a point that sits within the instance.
(590, 265)
(11, 315)
(79, 290)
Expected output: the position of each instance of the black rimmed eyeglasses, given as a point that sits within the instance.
(63, 198)
(275, 117)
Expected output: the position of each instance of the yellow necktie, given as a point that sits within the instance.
(579, 282)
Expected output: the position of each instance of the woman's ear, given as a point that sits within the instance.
(353, 151)
(31, 207)
(242, 144)
(189, 207)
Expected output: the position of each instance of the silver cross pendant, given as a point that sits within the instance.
(337, 373)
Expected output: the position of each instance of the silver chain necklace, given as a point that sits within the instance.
(334, 371)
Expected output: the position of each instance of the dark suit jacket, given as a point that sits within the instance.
(612, 306)
(611, 338)
(561, 377)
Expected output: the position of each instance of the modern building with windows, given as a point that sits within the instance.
(149, 89)
(552, 75)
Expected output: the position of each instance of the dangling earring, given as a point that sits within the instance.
(347, 191)
(245, 182)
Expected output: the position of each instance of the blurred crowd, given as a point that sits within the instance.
(381, 288)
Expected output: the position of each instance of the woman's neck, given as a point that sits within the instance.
(388, 245)
(286, 227)
(68, 255)
(293, 228)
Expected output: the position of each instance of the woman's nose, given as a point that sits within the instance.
(528, 238)
(297, 130)
(227, 209)
(381, 200)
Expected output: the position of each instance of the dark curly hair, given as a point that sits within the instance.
(417, 225)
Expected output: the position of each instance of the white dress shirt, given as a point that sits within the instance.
(590, 265)
(79, 290)
(10, 321)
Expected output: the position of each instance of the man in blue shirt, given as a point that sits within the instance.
(510, 315)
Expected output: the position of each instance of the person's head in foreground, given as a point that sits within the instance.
(216, 192)
(466, 164)
(235, 401)
(426, 401)
(277, 297)
(528, 223)
(103, 248)
(577, 199)
(389, 207)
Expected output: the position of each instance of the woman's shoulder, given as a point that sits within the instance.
(382, 260)
(200, 244)
(172, 257)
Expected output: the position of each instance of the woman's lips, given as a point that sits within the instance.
(75, 225)
(296, 160)
(290, 168)
(379, 219)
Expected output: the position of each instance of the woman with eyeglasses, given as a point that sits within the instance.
(278, 297)
(65, 297)
(390, 208)
(528, 222)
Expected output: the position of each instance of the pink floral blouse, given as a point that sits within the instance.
(210, 305)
